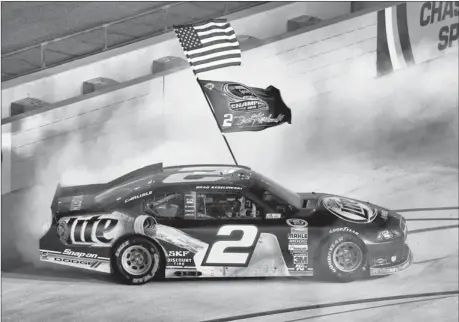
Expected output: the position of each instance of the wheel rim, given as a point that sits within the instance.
(136, 260)
(347, 257)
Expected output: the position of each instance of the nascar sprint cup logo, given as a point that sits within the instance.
(244, 98)
(349, 210)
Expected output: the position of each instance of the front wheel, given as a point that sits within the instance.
(136, 260)
(344, 257)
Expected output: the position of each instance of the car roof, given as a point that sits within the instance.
(195, 173)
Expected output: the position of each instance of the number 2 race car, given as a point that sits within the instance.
(219, 221)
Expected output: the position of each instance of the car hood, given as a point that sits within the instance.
(346, 208)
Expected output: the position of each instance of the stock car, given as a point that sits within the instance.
(219, 221)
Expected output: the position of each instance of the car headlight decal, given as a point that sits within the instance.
(387, 234)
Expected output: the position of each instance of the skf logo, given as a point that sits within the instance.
(178, 253)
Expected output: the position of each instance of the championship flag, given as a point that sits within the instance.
(238, 107)
(209, 45)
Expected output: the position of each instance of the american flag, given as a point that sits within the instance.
(209, 45)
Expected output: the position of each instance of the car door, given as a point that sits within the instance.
(291, 230)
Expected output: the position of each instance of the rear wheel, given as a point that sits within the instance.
(136, 260)
(344, 257)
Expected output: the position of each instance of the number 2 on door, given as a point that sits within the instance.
(216, 255)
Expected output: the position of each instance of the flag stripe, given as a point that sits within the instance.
(210, 24)
(214, 55)
(217, 62)
(221, 41)
(220, 44)
(216, 34)
(203, 33)
(203, 70)
(215, 51)
(217, 59)
(217, 38)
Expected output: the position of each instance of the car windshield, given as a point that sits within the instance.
(278, 190)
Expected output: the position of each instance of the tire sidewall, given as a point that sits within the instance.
(329, 247)
(133, 279)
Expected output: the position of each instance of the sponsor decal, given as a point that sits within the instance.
(303, 259)
(76, 203)
(218, 188)
(210, 86)
(296, 236)
(273, 216)
(380, 260)
(349, 210)
(242, 98)
(300, 262)
(179, 261)
(257, 119)
(298, 249)
(298, 243)
(343, 230)
(44, 255)
(91, 264)
(384, 214)
(138, 196)
(178, 253)
(190, 203)
(294, 222)
(70, 252)
(386, 234)
(87, 230)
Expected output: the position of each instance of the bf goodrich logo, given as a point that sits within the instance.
(349, 210)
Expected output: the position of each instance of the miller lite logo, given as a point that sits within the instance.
(93, 230)
(349, 210)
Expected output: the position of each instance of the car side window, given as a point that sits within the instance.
(165, 205)
(209, 205)
(278, 205)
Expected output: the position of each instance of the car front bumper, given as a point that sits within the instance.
(404, 263)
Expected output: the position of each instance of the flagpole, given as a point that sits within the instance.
(216, 121)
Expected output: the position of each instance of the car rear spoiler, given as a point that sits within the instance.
(57, 194)
(74, 191)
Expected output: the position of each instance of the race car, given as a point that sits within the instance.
(219, 221)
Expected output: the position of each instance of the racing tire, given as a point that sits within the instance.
(344, 258)
(136, 260)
